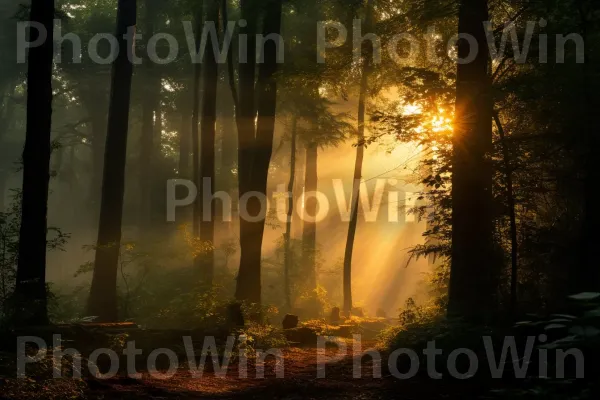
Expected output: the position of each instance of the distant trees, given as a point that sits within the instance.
(103, 294)
(30, 288)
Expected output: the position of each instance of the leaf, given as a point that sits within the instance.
(563, 316)
(593, 313)
(554, 326)
(585, 296)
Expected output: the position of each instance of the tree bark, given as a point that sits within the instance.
(585, 277)
(255, 144)
(30, 288)
(471, 292)
(103, 294)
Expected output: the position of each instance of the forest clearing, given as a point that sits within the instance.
(354, 198)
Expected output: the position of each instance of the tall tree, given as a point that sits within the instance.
(150, 125)
(309, 228)
(196, 215)
(287, 236)
(207, 150)
(103, 295)
(31, 271)
(358, 165)
(255, 139)
(470, 291)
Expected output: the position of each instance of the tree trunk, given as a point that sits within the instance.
(471, 291)
(150, 100)
(358, 164)
(103, 294)
(287, 237)
(207, 158)
(309, 233)
(195, 128)
(586, 275)
(31, 270)
(255, 145)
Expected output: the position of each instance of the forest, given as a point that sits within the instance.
(347, 199)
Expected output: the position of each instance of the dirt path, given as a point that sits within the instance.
(300, 381)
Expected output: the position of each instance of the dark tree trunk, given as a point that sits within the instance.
(31, 270)
(103, 294)
(358, 165)
(207, 158)
(471, 291)
(309, 232)
(586, 275)
(255, 147)
(287, 237)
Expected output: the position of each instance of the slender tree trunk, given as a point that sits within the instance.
(358, 165)
(31, 270)
(287, 237)
(255, 145)
(195, 127)
(207, 145)
(309, 234)
(103, 294)
(471, 292)
(514, 243)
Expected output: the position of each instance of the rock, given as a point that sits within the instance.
(302, 335)
(290, 321)
(335, 315)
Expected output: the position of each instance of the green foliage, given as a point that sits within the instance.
(10, 224)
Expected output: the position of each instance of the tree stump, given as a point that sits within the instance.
(335, 315)
(290, 321)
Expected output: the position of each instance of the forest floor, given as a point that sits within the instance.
(300, 381)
